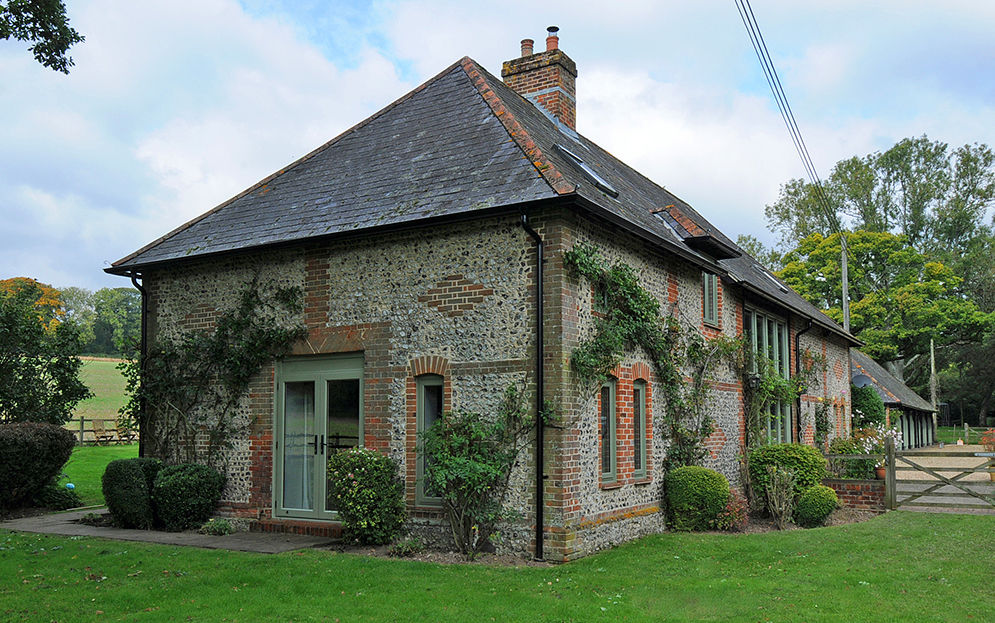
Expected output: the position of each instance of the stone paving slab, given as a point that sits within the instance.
(261, 542)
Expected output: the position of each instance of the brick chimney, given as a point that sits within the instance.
(547, 79)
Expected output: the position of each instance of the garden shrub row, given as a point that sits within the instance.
(32, 456)
(143, 493)
(804, 467)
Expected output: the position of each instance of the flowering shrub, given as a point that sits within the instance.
(988, 440)
(850, 468)
(875, 439)
(364, 488)
(734, 516)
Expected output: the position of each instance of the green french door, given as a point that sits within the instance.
(319, 411)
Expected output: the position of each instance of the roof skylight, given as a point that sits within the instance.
(592, 175)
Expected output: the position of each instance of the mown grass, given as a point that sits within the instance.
(898, 567)
(86, 468)
(107, 384)
(950, 434)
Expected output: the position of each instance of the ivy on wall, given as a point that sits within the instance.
(630, 318)
(191, 386)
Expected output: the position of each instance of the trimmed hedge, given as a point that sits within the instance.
(186, 495)
(31, 457)
(815, 505)
(368, 495)
(695, 497)
(805, 462)
(127, 486)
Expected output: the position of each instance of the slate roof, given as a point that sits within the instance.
(893, 392)
(462, 142)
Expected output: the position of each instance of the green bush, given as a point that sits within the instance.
(850, 468)
(814, 505)
(805, 462)
(735, 516)
(127, 487)
(867, 407)
(367, 494)
(186, 495)
(56, 496)
(31, 457)
(695, 497)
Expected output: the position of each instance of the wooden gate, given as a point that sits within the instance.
(951, 480)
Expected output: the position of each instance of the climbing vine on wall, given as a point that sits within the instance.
(630, 318)
(192, 385)
(764, 386)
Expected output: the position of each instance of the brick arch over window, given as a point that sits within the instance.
(428, 364)
(641, 372)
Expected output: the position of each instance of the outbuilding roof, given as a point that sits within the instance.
(893, 392)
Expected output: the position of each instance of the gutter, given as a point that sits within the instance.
(540, 390)
(141, 358)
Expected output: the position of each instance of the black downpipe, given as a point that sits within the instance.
(540, 389)
(141, 361)
(798, 371)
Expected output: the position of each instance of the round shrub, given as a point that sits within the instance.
(814, 505)
(805, 462)
(31, 457)
(186, 495)
(368, 495)
(695, 497)
(127, 493)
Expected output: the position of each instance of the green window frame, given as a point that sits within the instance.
(606, 433)
(639, 428)
(710, 299)
(768, 337)
(429, 397)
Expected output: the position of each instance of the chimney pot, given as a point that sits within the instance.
(552, 40)
(527, 47)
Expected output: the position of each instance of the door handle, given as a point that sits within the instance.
(322, 445)
(315, 442)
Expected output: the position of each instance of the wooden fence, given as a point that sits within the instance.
(99, 431)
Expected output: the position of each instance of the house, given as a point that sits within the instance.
(904, 409)
(429, 240)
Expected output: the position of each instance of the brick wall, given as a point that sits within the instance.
(864, 495)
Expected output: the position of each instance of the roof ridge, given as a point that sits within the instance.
(515, 129)
(261, 183)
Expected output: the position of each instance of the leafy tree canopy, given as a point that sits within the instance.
(45, 24)
(39, 363)
(898, 298)
(48, 304)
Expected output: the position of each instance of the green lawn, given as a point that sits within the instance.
(950, 434)
(898, 567)
(86, 467)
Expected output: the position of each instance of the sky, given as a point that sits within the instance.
(173, 107)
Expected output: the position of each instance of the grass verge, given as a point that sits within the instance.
(86, 468)
(899, 567)
(108, 387)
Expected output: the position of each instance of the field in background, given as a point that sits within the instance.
(107, 384)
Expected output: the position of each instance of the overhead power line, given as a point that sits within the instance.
(774, 82)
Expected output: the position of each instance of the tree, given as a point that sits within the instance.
(77, 307)
(39, 363)
(936, 197)
(899, 299)
(48, 305)
(45, 24)
(118, 320)
(770, 258)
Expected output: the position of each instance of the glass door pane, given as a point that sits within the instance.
(341, 425)
(298, 445)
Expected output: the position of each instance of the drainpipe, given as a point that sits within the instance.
(540, 389)
(141, 360)
(798, 368)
